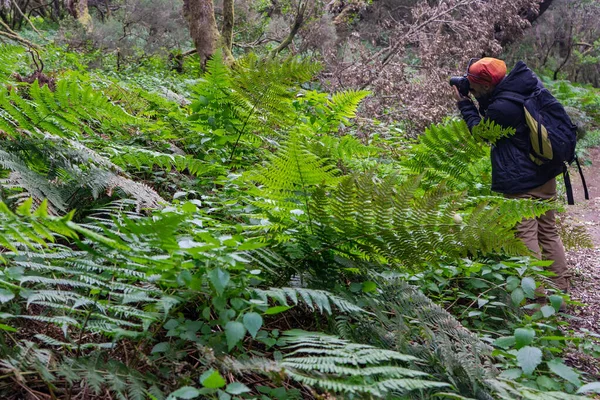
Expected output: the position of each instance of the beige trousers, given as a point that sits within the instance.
(541, 236)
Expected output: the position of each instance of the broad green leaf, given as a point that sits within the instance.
(212, 379)
(219, 279)
(238, 303)
(528, 285)
(512, 282)
(561, 338)
(369, 286)
(252, 322)
(189, 208)
(547, 311)
(160, 347)
(505, 342)
(7, 328)
(236, 388)
(234, 332)
(590, 387)
(186, 392)
(517, 296)
(6, 295)
(547, 383)
(556, 301)
(277, 310)
(565, 372)
(223, 395)
(523, 336)
(528, 358)
(513, 373)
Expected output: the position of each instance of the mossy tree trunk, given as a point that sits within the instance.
(228, 18)
(203, 29)
(79, 10)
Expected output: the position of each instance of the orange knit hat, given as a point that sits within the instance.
(487, 71)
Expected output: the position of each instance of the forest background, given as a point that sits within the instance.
(276, 200)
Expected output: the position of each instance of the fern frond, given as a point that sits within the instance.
(295, 168)
(135, 157)
(451, 153)
(388, 223)
(313, 298)
(10, 58)
(337, 365)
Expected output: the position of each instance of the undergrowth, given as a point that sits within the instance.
(224, 240)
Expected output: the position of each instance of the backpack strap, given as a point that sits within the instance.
(569, 187)
(585, 189)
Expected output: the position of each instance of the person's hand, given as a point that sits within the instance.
(459, 97)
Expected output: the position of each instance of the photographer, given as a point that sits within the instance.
(514, 174)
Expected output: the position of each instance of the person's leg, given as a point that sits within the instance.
(549, 239)
(553, 249)
(545, 235)
(527, 231)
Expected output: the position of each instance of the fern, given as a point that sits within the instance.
(66, 172)
(90, 374)
(72, 109)
(405, 320)
(451, 153)
(337, 365)
(11, 57)
(136, 157)
(314, 299)
(389, 223)
(252, 100)
(294, 168)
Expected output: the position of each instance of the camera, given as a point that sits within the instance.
(461, 83)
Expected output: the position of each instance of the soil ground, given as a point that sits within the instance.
(585, 263)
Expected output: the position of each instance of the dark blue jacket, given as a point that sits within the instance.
(513, 171)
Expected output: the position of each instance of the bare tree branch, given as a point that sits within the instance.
(295, 27)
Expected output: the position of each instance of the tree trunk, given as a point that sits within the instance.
(79, 10)
(203, 29)
(228, 18)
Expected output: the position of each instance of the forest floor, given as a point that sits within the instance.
(585, 263)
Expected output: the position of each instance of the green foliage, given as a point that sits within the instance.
(365, 222)
(66, 172)
(337, 365)
(407, 321)
(97, 374)
(584, 98)
(271, 205)
(70, 110)
(451, 153)
(249, 101)
(11, 57)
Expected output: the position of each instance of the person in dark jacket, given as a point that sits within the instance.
(514, 174)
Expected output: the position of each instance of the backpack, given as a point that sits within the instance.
(552, 134)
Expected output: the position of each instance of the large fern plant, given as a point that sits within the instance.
(336, 365)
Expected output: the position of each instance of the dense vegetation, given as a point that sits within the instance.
(241, 235)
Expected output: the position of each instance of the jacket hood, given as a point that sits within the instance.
(520, 80)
